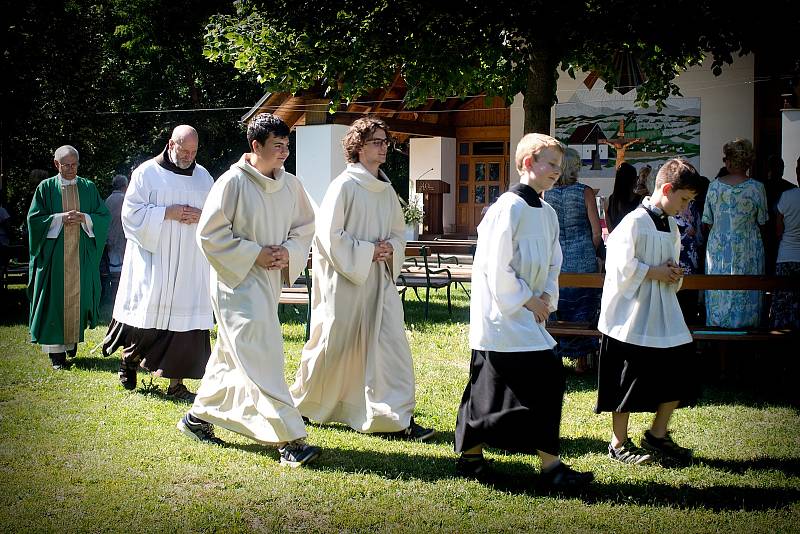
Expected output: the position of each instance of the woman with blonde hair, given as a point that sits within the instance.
(579, 236)
(735, 212)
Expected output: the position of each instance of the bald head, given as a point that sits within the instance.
(183, 146)
(184, 132)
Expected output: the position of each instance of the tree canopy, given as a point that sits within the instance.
(500, 47)
(111, 78)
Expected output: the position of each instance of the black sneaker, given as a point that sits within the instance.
(472, 465)
(628, 453)
(416, 432)
(665, 447)
(298, 452)
(58, 360)
(127, 374)
(179, 392)
(563, 477)
(198, 429)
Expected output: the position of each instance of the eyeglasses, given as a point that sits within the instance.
(68, 165)
(377, 143)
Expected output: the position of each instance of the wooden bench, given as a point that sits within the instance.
(419, 271)
(300, 295)
(13, 265)
(694, 281)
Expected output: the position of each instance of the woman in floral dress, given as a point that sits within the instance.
(735, 211)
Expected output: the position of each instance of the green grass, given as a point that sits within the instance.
(78, 453)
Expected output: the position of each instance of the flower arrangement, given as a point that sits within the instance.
(412, 212)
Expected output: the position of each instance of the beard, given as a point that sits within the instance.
(178, 161)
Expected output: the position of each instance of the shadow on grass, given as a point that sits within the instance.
(787, 466)
(520, 478)
(97, 362)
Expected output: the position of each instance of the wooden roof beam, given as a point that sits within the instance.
(402, 126)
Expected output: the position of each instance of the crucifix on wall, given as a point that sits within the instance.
(621, 143)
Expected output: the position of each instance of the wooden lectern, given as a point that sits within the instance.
(432, 191)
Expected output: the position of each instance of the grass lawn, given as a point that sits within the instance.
(79, 453)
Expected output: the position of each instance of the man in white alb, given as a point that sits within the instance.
(162, 313)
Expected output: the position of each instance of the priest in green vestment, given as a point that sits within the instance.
(67, 227)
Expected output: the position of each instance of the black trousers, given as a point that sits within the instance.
(512, 401)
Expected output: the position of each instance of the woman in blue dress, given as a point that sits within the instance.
(579, 236)
(736, 212)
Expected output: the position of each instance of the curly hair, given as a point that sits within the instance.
(739, 154)
(360, 131)
(570, 166)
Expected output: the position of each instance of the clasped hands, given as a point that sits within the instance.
(383, 251)
(669, 272)
(539, 306)
(273, 257)
(183, 214)
(74, 217)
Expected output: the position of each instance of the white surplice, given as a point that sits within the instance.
(635, 309)
(164, 279)
(356, 367)
(244, 389)
(518, 256)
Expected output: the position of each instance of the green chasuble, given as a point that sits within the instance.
(64, 273)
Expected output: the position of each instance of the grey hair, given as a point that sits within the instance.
(119, 182)
(570, 166)
(64, 151)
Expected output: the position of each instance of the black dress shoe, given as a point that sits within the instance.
(58, 360)
(127, 374)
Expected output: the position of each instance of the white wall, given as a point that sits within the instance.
(790, 142)
(319, 157)
(517, 131)
(434, 158)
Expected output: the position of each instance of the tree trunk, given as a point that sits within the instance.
(540, 92)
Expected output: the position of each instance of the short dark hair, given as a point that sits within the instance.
(119, 182)
(360, 131)
(681, 174)
(264, 124)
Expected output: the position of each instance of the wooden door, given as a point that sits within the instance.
(481, 179)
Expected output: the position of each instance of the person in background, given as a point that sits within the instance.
(734, 216)
(116, 242)
(774, 185)
(67, 226)
(692, 257)
(624, 198)
(646, 182)
(580, 237)
(5, 227)
(785, 311)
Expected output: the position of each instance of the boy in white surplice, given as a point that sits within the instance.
(647, 353)
(516, 382)
(256, 230)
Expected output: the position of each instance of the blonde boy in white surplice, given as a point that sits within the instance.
(256, 230)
